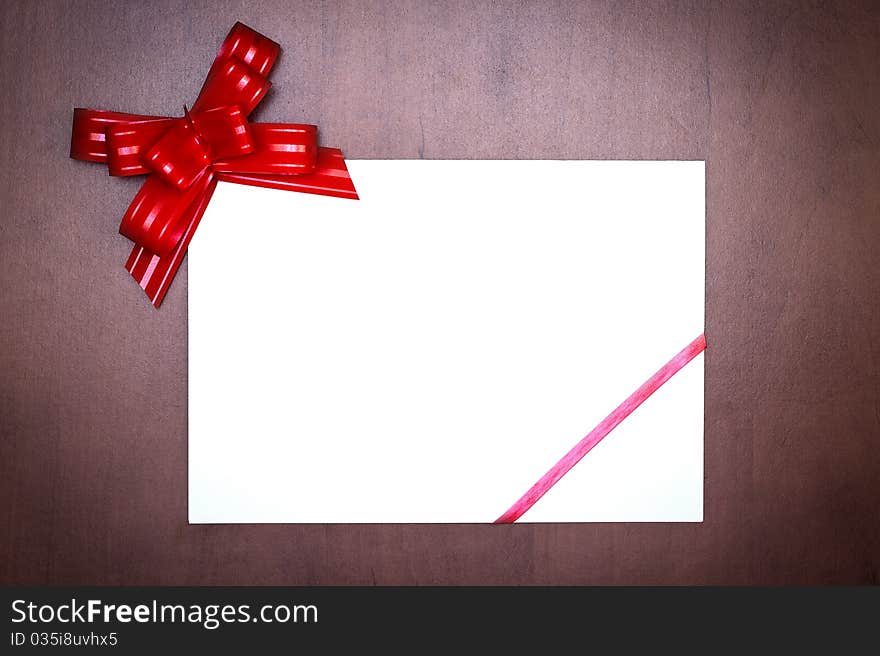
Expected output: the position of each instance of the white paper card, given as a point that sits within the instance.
(426, 353)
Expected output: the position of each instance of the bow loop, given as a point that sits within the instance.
(257, 51)
(127, 143)
(232, 83)
(281, 148)
(158, 215)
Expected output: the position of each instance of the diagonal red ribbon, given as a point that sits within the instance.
(621, 412)
(185, 157)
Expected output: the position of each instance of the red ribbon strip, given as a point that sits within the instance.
(596, 435)
(186, 157)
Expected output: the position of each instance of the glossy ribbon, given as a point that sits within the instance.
(591, 439)
(185, 157)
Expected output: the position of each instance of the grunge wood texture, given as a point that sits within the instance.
(781, 100)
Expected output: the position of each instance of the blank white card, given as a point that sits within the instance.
(428, 352)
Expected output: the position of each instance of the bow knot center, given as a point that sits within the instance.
(193, 142)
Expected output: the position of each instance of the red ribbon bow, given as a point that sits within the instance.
(186, 157)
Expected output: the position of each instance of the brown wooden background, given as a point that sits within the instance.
(781, 99)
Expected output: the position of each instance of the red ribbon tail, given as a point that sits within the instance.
(330, 177)
(154, 273)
